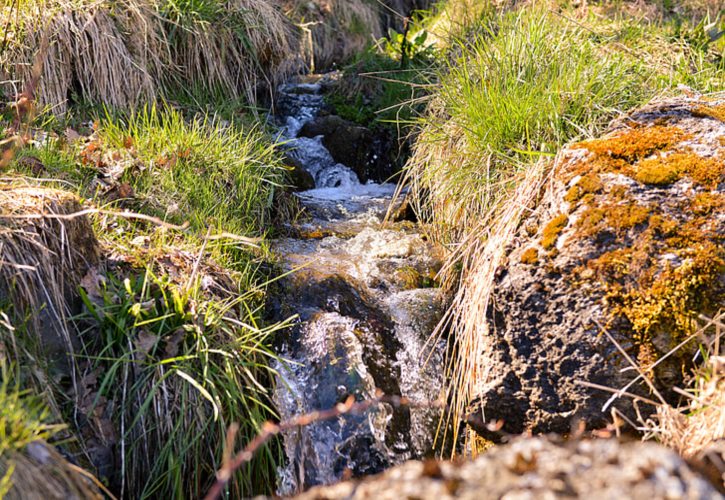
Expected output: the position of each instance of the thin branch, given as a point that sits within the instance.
(270, 429)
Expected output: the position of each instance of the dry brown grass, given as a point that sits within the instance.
(479, 255)
(43, 259)
(125, 53)
(216, 55)
(42, 473)
(690, 429)
(82, 47)
(334, 30)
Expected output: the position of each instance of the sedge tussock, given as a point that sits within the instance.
(127, 53)
(335, 30)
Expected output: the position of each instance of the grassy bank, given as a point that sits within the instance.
(517, 84)
(167, 343)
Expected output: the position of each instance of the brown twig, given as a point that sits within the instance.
(124, 214)
(271, 429)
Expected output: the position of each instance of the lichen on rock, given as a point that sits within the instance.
(637, 224)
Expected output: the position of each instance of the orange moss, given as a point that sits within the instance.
(666, 169)
(616, 216)
(707, 203)
(656, 295)
(657, 172)
(622, 217)
(530, 256)
(634, 144)
(665, 271)
(716, 111)
(587, 184)
(552, 230)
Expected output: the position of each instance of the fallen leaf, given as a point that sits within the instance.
(71, 135)
(145, 341)
(173, 342)
(92, 283)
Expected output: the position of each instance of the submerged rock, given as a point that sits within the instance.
(627, 244)
(366, 151)
(537, 468)
(364, 293)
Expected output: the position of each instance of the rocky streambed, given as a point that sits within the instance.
(363, 292)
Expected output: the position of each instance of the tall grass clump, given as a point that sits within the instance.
(518, 85)
(174, 367)
(125, 53)
(166, 347)
(333, 31)
(211, 174)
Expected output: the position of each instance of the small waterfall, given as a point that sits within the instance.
(365, 313)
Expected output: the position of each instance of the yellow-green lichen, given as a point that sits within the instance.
(530, 256)
(552, 230)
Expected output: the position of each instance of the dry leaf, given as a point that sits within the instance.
(71, 135)
(145, 341)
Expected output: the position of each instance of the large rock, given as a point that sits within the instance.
(367, 152)
(537, 468)
(626, 243)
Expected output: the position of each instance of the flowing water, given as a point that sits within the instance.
(366, 311)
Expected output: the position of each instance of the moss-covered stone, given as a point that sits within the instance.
(716, 111)
(530, 256)
(666, 169)
(552, 230)
(587, 184)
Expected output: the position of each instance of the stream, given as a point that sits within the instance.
(362, 292)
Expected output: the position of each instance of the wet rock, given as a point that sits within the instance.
(537, 468)
(300, 178)
(628, 240)
(365, 151)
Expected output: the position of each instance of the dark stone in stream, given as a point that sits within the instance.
(373, 329)
(368, 152)
(300, 178)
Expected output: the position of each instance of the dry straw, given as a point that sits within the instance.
(126, 53)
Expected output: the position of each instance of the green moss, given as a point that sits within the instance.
(410, 278)
(552, 230)
(530, 256)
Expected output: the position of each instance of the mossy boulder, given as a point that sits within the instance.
(629, 259)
